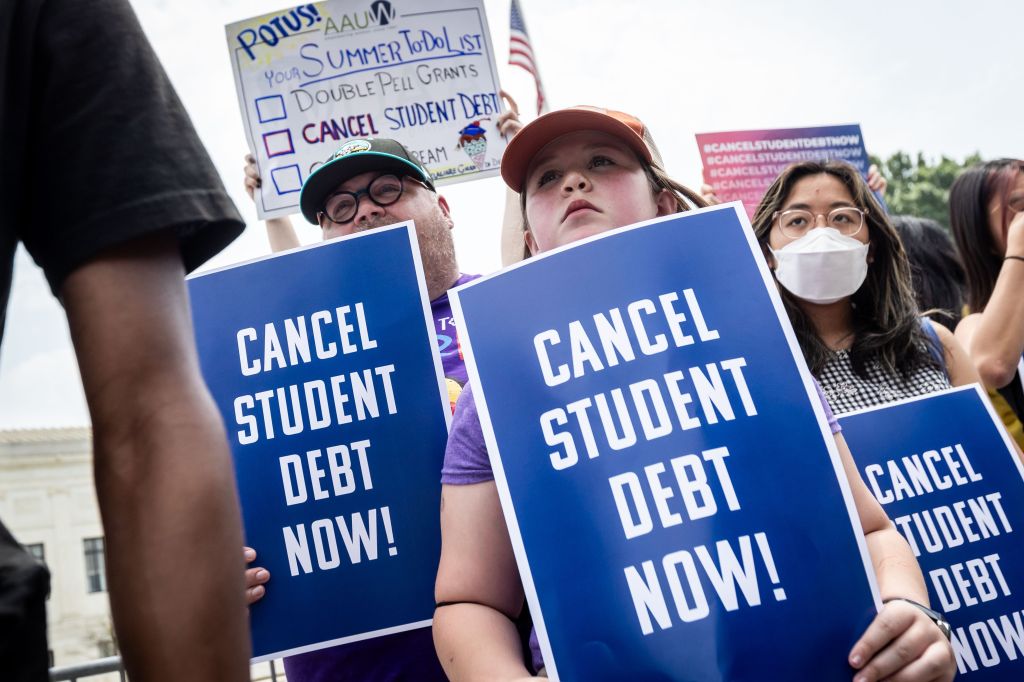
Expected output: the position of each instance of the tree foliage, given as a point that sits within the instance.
(920, 188)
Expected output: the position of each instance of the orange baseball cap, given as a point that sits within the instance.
(532, 138)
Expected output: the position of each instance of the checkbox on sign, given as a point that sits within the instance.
(278, 143)
(287, 179)
(270, 108)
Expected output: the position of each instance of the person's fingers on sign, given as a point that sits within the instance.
(707, 192)
(877, 181)
(252, 176)
(508, 122)
(903, 640)
(255, 578)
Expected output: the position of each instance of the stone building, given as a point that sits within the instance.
(48, 502)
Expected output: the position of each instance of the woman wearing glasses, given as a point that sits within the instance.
(986, 206)
(845, 282)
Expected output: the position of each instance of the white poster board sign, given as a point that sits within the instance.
(312, 77)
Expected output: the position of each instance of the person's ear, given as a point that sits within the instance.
(871, 252)
(666, 203)
(446, 211)
(772, 264)
(531, 243)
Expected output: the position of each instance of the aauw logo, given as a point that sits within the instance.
(381, 13)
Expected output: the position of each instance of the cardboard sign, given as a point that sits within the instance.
(946, 473)
(741, 164)
(323, 364)
(672, 490)
(313, 77)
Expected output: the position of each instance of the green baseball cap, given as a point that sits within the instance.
(355, 157)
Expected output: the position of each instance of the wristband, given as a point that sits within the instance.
(936, 617)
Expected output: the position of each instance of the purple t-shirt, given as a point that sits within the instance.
(466, 461)
(447, 339)
(405, 656)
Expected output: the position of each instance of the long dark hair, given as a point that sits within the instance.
(969, 198)
(886, 324)
(935, 269)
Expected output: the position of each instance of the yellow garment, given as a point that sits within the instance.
(1003, 409)
(1006, 413)
(454, 391)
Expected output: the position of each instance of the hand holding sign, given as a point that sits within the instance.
(903, 640)
(640, 405)
(255, 578)
(876, 181)
(632, 396)
(252, 176)
(946, 474)
(707, 192)
(508, 123)
(319, 387)
(898, 641)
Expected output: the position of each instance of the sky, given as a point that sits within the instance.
(919, 76)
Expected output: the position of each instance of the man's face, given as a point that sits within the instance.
(416, 203)
(428, 211)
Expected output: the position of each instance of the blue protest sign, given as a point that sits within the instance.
(672, 490)
(323, 364)
(948, 476)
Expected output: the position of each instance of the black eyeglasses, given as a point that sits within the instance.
(383, 190)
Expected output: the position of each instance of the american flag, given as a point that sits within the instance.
(521, 54)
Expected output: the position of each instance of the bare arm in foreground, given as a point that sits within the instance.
(163, 474)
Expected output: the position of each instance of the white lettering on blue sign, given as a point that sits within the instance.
(617, 338)
(315, 409)
(732, 574)
(651, 399)
(297, 339)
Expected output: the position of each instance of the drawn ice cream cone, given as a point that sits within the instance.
(473, 141)
(477, 151)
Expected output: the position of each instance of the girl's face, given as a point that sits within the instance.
(586, 183)
(819, 194)
(1014, 199)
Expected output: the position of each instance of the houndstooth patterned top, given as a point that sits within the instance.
(848, 392)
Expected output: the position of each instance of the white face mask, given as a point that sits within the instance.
(823, 266)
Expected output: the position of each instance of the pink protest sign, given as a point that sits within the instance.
(741, 164)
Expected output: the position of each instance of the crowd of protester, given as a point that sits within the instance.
(884, 309)
(874, 301)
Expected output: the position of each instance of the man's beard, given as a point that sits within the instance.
(437, 248)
